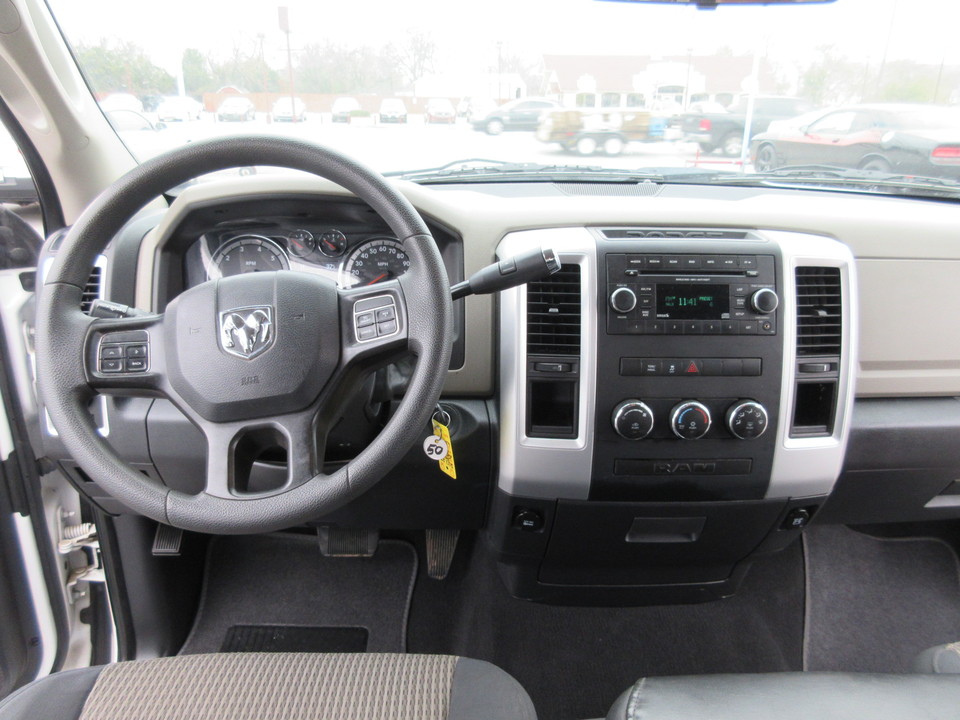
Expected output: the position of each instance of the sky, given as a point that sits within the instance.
(467, 34)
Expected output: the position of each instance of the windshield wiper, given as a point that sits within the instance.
(830, 176)
(482, 170)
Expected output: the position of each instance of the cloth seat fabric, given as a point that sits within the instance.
(277, 686)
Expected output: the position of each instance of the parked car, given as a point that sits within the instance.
(179, 108)
(236, 109)
(909, 139)
(440, 110)
(344, 108)
(288, 109)
(724, 130)
(522, 114)
(392, 110)
(589, 131)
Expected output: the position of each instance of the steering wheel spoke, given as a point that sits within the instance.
(125, 355)
(235, 449)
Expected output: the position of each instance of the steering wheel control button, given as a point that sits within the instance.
(111, 366)
(633, 420)
(108, 352)
(136, 351)
(690, 420)
(364, 319)
(375, 318)
(747, 420)
(135, 364)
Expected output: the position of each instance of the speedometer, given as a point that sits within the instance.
(374, 261)
(247, 254)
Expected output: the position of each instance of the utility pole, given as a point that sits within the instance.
(499, 71)
(285, 27)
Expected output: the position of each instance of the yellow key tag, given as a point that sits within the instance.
(446, 461)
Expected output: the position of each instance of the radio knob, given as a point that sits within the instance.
(747, 420)
(623, 300)
(690, 420)
(633, 420)
(764, 301)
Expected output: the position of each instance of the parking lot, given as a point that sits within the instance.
(418, 145)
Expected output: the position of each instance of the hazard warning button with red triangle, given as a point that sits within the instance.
(691, 367)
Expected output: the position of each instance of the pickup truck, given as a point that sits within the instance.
(725, 130)
(588, 131)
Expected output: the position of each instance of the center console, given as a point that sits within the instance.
(673, 402)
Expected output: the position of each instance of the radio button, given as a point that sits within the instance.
(631, 272)
(748, 262)
(739, 302)
(646, 301)
(711, 262)
(692, 262)
(654, 262)
(764, 301)
(732, 367)
(740, 290)
(730, 327)
(673, 327)
(672, 261)
(748, 327)
(711, 327)
(692, 327)
(623, 300)
(728, 262)
(712, 367)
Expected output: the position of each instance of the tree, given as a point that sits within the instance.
(336, 69)
(196, 72)
(833, 79)
(415, 57)
(123, 67)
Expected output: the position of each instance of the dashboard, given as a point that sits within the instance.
(711, 370)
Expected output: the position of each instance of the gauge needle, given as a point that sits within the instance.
(329, 244)
(377, 279)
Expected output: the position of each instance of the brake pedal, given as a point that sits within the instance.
(347, 542)
(441, 546)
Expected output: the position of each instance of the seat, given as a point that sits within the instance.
(790, 696)
(277, 686)
(941, 659)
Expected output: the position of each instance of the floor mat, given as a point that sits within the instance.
(295, 638)
(875, 603)
(575, 661)
(283, 580)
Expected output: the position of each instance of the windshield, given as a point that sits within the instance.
(594, 84)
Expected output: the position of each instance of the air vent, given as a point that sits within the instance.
(819, 320)
(92, 290)
(553, 313)
(670, 233)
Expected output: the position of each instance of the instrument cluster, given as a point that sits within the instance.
(351, 259)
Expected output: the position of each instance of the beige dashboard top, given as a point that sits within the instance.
(907, 250)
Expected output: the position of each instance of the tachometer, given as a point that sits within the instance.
(247, 254)
(374, 261)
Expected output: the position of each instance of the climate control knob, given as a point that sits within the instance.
(747, 420)
(690, 420)
(764, 301)
(633, 420)
(623, 300)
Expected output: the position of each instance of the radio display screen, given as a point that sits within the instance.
(693, 302)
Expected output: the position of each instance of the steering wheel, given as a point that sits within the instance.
(261, 357)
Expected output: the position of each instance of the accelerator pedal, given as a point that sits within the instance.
(441, 546)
